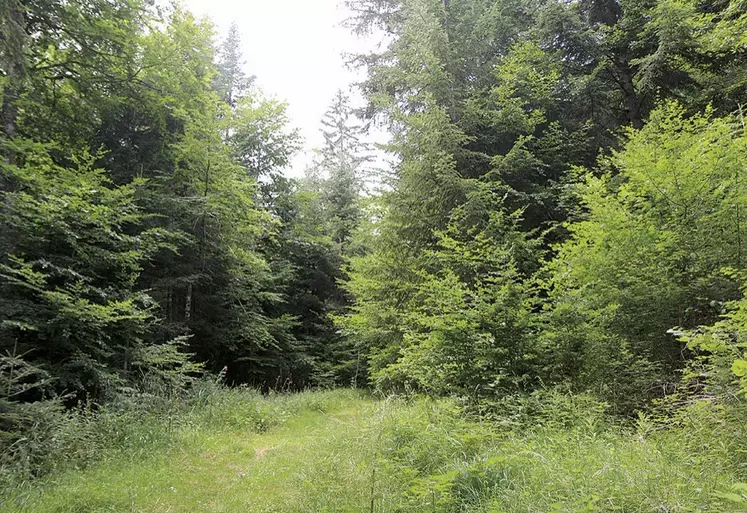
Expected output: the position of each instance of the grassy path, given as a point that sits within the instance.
(316, 461)
(429, 458)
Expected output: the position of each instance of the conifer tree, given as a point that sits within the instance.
(343, 159)
(231, 82)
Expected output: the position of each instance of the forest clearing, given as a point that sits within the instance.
(439, 256)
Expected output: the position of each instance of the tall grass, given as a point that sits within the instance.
(138, 425)
(562, 453)
(340, 451)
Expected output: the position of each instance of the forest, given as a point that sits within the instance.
(551, 262)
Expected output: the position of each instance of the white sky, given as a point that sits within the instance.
(294, 47)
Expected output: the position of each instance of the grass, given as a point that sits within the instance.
(342, 451)
(223, 464)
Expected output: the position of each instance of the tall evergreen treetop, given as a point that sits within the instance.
(231, 82)
(343, 159)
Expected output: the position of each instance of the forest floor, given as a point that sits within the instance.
(345, 452)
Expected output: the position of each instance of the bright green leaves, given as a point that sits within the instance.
(739, 368)
(721, 348)
(495, 107)
(76, 250)
(527, 83)
(654, 240)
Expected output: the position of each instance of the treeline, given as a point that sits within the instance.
(565, 206)
(147, 233)
(568, 202)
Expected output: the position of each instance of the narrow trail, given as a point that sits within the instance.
(304, 465)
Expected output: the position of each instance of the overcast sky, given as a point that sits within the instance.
(294, 48)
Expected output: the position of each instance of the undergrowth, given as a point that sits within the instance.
(563, 453)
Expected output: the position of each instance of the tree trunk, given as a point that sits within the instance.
(624, 76)
(13, 40)
(188, 304)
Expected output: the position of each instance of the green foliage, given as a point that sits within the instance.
(649, 252)
(180, 134)
(510, 100)
(69, 297)
(720, 367)
(565, 208)
(467, 327)
(146, 231)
